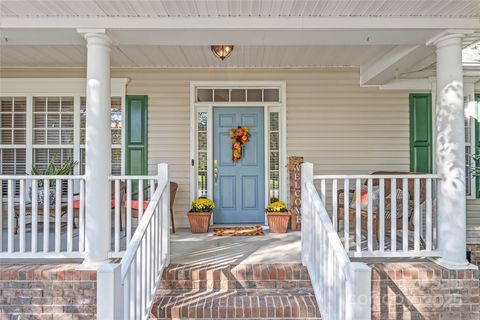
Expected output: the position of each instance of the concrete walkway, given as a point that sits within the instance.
(205, 248)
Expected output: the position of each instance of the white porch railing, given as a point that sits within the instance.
(399, 219)
(131, 196)
(126, 290)
(31, 205)
(342, 288)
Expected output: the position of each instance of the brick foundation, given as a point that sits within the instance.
(424, 290)
(53, 291)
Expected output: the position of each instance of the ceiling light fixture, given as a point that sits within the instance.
(222, 51)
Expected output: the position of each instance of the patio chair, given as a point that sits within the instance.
(387, 195)
(135, 203)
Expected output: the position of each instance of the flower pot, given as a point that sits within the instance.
(278, 221)
(199, 221)
(40, 194)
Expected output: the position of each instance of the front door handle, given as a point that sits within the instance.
(215, 170)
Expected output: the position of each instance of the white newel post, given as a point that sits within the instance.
(450, 152)
(98, 149)
(306, 233)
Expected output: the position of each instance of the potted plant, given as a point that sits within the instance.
(51, 170)
(200, 214)
(278, 217)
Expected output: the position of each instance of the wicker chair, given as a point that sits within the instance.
(387, 193)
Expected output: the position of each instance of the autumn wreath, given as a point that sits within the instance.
(240, 137)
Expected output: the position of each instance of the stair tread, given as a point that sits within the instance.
(236, 303)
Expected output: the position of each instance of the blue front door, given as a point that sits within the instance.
(239, 188)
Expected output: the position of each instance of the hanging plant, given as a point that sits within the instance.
(240, 137)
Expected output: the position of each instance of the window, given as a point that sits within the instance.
(274, 170)
(52, 126)
(202, 153)
(52, 130)
(13, 115)
(116, 128)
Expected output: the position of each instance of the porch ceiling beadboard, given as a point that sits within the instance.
(331, 121)
(240, 8)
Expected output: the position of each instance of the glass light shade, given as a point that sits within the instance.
(222, 51)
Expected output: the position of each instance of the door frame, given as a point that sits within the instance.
(280, 107)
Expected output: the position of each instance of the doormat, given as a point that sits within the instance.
(238, 231)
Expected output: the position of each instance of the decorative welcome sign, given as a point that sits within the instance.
(295, 172)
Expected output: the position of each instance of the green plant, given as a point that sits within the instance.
(202, 205)
(52, 170)
(278, 206)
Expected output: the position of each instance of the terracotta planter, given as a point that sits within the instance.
(199, 221)
(278, 221)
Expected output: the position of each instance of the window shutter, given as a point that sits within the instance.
(136, 135)
(421, 132)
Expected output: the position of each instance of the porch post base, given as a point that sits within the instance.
(454, 265)
(91, 265)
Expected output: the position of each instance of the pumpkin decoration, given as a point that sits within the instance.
(239, 137)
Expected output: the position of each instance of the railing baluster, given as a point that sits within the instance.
(81, 218)
(428, 232)
(134, 302)
(370, 215)
(117, 215)
(416, 215)
(70, 216)
(58, 215)
(129, 210)
(322, 190)
(334, 205)
(140, 199)
(346, 213)
(34, 215)
(405, 214)
(381, 214)
(358, 215)
(11, 217)
(393, 215)
(46, 215)
(22, 216)
(126, 295)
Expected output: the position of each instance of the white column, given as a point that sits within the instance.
(98, 150)
(450, 152)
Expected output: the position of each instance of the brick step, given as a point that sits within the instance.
(66, 309)
(247, 276)
(50, 316)
(235, 304)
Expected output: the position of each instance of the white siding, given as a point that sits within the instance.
(331, 121)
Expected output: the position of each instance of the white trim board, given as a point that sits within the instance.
(208, 107)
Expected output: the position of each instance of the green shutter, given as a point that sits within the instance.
(421, 132)
(477, 142)
(136, 135)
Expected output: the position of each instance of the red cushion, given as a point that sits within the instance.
(135, 204)
(76, 204)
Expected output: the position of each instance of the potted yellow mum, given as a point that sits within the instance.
(278, 217)
(200, 214)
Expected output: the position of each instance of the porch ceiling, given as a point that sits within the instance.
(240, 8)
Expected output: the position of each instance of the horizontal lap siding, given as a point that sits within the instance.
(331, 121)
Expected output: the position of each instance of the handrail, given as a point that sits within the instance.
(377, 176)
(341, 287)
(140, 232)
(126, 290)
(124, 177)
(42, 177)
(335, 241)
